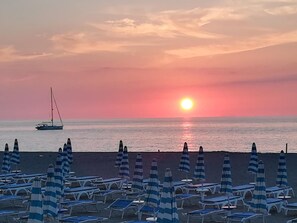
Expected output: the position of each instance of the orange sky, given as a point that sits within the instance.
(105, 59)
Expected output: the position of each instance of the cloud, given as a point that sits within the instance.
(283, 10)
(10, 54)
(238, 46)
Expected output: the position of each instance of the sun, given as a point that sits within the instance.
(186, 104)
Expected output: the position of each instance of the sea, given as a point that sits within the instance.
(234, 134)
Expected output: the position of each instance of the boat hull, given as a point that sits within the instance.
(54, 127)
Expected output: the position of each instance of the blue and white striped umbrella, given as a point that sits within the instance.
(259, 202)
(199, 173)
(226, 180)
(153, 187)
(282, 178)
(15, 156)
(137, 182)
(184, 164)
(36, 211)
(59, 180)
(65, 161)
(50, 207)
(119, 155)
(124, 168)
(6, 160)
(69, 151)
(60, 152)
(168, 207)
(253, 164)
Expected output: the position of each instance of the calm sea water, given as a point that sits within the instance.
(214, 134)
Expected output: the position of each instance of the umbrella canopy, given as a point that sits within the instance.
(259, 202)
(184, 164)
(226, 180)
(153, 187)
(50, 207)
(124, 168)
(168, 208)
(59, 180)
(36, 211)
(69, 151)
(282, 179)
(6, 160)
(119, 155)
(137, 182)
(65, 161)
(253, 164)
(199, 173)
(15, 156)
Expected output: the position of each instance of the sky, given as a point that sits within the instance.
(138, 59)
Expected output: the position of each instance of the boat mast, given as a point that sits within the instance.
(52, 109)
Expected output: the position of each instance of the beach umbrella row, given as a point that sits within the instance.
(253, 163)
(36, 206)
(119, 155)
(153, 187)
(199, 173)
(124, 171)
(15, 156)
(6, 160)
(50, 207)
(281, 179)
(184, 164)
(226, 180)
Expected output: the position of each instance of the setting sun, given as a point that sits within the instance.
(186, 104)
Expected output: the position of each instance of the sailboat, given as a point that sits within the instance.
(50, 125)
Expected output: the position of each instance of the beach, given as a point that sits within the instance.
(102, 165)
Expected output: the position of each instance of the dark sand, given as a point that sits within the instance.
(102, 164)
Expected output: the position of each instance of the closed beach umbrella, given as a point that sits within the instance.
(184, 164)
(6, 160)
(137, 182)
(36, 211)
(226, 180)
(15, 156)
(50, 207)
(59, 180)
(119, 155)
(69, 151)
(282, 179)
(259, 202)
(168, 208)
(253, 164)
(199, 173)
(65, 161)
(124, 168)
(153, 187)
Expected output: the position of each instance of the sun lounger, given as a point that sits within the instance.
(220, 201)
(26, 178)
(109, 183)
(271, 203)
(244, 216)
(11, 199)
(82, 181)
(106, 193)
(276, 191)
(289, 207)
(242, 190)
(82, 219)
(14, 189)
(147, 210)
(292, 220)
(203, 213)
(77, 192)
(71, 204)
(212, 187)
(183, 197)
(7, 214)
(121, 205)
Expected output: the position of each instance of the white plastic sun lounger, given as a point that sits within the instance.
(276, 191)
(10, 199)
(242, 190)
(14, 189)
(77, 192)
(121, 205)
(26, 178)
(203, 213)
(272, 202)
(221, 201)
(82, 219)
(244, 217)
(83, 180)
(183, 197)
(109, 183)
(212, 187)
(289, 207)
